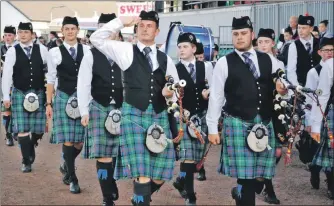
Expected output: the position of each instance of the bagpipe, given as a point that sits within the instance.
(180, 113)
(290, 112)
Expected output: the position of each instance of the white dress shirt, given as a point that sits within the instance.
(84, 85)
(55, 58)
(325, 84)
(312, 82)
(217, 94)
(208, 69)
(122, 52)
(7, 78)
(292, 60)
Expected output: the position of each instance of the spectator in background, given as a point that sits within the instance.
(59, 42)
(215, 53)
(315, 32)
(323, 29)
(42, 40)
(53, 36)
(293, 23)
(283, 52)
(34, 38)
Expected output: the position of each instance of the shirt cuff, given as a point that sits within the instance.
(6, 98)
(213, 129)
(316, 128)
(84, 112)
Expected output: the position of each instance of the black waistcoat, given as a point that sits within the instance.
(142, 86)
(107, 80)
(28, 73)
(318, 69)
(245, 96)
(68, 69)
(305, 61)
(193, 99)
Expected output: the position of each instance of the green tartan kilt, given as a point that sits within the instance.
(65, 129)
(98, 141)
(135, 160)
(237, 159)
(191, 148)
(324, 157)
(23, 121)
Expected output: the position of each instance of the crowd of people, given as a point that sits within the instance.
(127, 105)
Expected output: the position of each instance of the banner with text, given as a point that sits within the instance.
(133, 8)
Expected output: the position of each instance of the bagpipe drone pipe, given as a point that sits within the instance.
(289, 118)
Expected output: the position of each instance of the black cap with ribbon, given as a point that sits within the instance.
(25, 26)
(70, 20)
(241, 23)
(187, 37)
(9, 29)
(269, 33)
(306, 20)
(326, 41)
(200, 48)
(105, 18)
(151, 15)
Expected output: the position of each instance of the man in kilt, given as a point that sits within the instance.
(100, 78)
(195, 100)
(24, 70)
(249, 104)
(63, 65)
(144, 106)
(324, 157)
(9, 37)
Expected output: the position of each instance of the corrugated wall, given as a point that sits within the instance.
(275, 16)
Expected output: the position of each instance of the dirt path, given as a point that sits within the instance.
(44, 186)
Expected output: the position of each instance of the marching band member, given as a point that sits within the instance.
(24, 69)
(101, 78)
(302, 52)
(323, 30)
(195, 100)
(324, 158)
(9, 37)
(312, 81)
(63, 65)
(144, 115)
(266, 44)
(248, 109)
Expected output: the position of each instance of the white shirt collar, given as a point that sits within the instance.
(141, 47)
(26, 45)
(185, 63)
(305, 41)
(252, 51)
(67, 46)
(13, 44)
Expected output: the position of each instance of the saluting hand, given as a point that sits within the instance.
(129, 21)
(85, 120)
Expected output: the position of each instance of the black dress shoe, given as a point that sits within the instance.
(9, 140)
(191, 199)
(108, 202)
(179, 185)
(201, 175)
(315, 181)
(235, 196)
(271, 199)
(26, 168)
(74, 187)
(66, 177)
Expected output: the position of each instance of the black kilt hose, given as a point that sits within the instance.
(98, 141)
(65, 129)
(23, 121)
